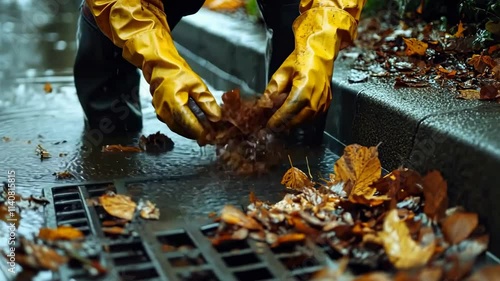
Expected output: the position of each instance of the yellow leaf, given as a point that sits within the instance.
(360, 166)
(60, 233)
(295, 179)
(460, 30)
(118, 205)
(415, 47)
(469, 94)
(402, 250)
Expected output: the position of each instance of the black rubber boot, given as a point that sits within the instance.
(279, 16)
(106, 84)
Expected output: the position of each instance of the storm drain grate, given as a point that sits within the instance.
(177, 251)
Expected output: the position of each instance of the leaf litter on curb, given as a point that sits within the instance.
(394, 227)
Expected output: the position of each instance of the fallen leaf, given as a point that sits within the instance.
(460, 30)
(6, 139)
(480, 62)
(149, 211)
(115, 230)
(117, 222)
(361, 166)
(371, 201)
(64, 175)
(469, 94)
(42, 152)
(402, 82)
(446, 72)
(60, 233)
(420, 7)
(9, 215)
(156, 143)
(235, 216)
(288, 238)
(459, 226)
(487, 273)
(47, 88)
(295, 179)
(118, 205)
(415, 47)
(37, 256)
(490, 92)
(402, 250)
(435, 195)
(120, 148)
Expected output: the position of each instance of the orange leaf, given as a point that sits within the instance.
(233, 215)
(402, 250)
(60, 233)
(47, 88)
(414, 46)
(435, 194)
(420, 8)
(118, 205)
(120, 148)
(371, 201)
(460, 30)
(493, 49)
(448, 73)
(289, 238)
(459, 226)
(360, 166)
(114, 230)
(480, 62)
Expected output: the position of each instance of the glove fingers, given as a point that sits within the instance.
(207, 103)
(282, 118)
(181, 120)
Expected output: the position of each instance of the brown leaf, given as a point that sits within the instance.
(415, 47)
(120, 206)
(459, 226)
(480, 62)
(371, 201)
(60, 233)
(361, 166)
(120, 148)
(47, 88)
(399, 185)
(156, 143)
(435, 194)
(9, 215)
(469, 94)
(401, 82)
(446, 72)
(490, 92)
(235, 216)
(295, 179)
(149, 211)
(402, 250)
(64, 175)
(38, 257)
(487, 273)
(115, 230)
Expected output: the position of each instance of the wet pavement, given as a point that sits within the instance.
(38, 47)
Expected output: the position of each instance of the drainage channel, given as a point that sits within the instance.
(180, 250)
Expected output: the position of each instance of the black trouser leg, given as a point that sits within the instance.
(279, 16)
(106, 84)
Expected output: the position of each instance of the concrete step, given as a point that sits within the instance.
(424, 128)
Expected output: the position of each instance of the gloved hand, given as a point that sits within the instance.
(321, 30)
(140, 28)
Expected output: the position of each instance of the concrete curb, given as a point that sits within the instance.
(425, 129)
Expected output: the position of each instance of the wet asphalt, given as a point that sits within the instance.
(38, 47)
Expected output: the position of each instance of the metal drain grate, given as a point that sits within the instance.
(172, 250)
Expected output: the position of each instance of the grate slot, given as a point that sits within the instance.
(128, 253)
(232, 246)
(143, 272)
(239, 252)
(66, 189)
(66, 196)
(71, 215)
(299, 261)
(177, 240)
(209, 230)
(307, 271)
(98, 190)
(288, 248)
(73, 222)
(240, 260)
(188, 260)
(68, 205)
(203, 275)
(255, 274)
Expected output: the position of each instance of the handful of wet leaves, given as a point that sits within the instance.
(243, 144)
(395, 227)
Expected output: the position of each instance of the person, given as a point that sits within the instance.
(118, 37)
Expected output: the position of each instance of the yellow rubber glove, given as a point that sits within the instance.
(140, 28)
(321, 30)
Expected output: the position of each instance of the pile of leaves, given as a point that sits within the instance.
(243, 144)
(399, 224)
(416, 53)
